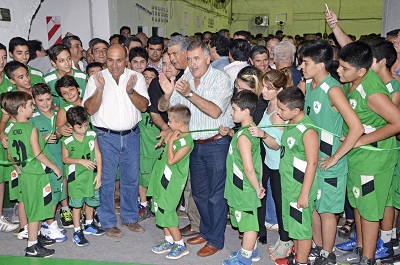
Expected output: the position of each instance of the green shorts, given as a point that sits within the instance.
(57, 189)
(36, 195)
(297, 222)
(89, 201)
(396, 191)
(146, 167)
(13, 186)
(244, 220)
(331, 194)
(165, 218)
(3, 169)
(369, 194)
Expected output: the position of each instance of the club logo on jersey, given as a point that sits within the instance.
(353, 103)
(290, 142)
(356, 192)
(91, 145)
(317, 106)
(238, 216)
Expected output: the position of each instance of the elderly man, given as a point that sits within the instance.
(207, 92)
(115, 97)
(284, 57)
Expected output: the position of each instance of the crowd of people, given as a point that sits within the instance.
(231, 130)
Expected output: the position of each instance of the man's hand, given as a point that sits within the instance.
(131, 83)
(331, 19)
(99, 80)
(166, 85)
(183, 87)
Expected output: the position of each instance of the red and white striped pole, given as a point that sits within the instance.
(54, 35)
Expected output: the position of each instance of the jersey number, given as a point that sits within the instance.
(21, 152)
(149, 121)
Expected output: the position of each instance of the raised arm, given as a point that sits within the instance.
(92, 104)
(340, 35)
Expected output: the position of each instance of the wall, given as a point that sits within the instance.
(390, 17)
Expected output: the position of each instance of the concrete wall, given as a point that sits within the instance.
(390, 16)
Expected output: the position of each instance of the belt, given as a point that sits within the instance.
(121, 133)
(211, 139)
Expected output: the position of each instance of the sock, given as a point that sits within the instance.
(255, 245)
(169, 239)
(313, 245)
(394, 233)
(180, 242)
(144, 204)
(246, 253)
(88, 222)
(386, 236)
(76, 229)
(324, 253)
(31, 243)
(65, 208)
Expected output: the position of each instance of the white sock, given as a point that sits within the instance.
(169, 239)
(394, 233)
(386, 236)
(88, 222)
(246, 253)
(76, 229)
(31, 243)
(180, 242)
(66, 208)
(144, 204)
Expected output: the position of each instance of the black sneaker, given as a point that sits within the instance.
(45, 241)
(322, 260)
(144, 213)
(80, 239)
(366, 261)
(38, 251)
(93, 229)
(314, 253)
(394, 260)
(66, 219)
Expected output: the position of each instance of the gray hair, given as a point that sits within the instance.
(199, 44)
(284, 52)
(181, 41)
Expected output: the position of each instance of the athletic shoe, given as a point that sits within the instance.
(239, 259)
(177, 252)
(383, 250)
(394, 260)
(289, 260)
(144, 213)
(45, 241)
(395, 243)
(353, 257)
(366, 261)
(15, 217)
(38, 251)
(66, 219)
(322, 260)
(6, 225)
(53, 232)
(163, 247)
(23, 233)
(93, 229)
(348, 245)
(255, 256)
(314, 253)
(79, 239)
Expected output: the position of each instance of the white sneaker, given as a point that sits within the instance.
(6, 226)
(52, 231)
(23, 234)
(14, 217)
(271, 227)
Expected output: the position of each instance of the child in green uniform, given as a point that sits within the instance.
(60, 57)
(82, 158)
(327, 107)
(370, 171)
(24, 149)
(299, 157)
(43, 120)
(243, 189)
(5, 84)
(168, 180)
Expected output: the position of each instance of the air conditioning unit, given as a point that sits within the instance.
(261, 21)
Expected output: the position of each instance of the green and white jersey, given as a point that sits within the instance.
(167, 182)
(293, 159)
(79, 178)
(393, 86)
(35, 75)
(318, 108)
(52, 77)
(239, 193)
(363, 160)
(148, 137)
(5, 85)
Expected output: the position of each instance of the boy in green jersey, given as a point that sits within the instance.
(299, 158)
(168, 180)
(243, 189)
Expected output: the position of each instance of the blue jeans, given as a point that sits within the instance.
(208, 176)
(270, 216)
(122, 151)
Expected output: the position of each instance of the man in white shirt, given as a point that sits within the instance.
(115, 97)
(239, 53)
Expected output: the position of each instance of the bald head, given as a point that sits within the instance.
(116, 60)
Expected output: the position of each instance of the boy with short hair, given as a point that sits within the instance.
(327, 107)
(243, 189)
(5, 84)
(34, 180)
(44, 120)
(61, 59)
(299, 158)
(370, 172)
(18, 75)
(82, 158)
(138, 58)
(93, 68)
(168, 180)
(18, 50)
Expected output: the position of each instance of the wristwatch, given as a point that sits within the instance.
(189, 95)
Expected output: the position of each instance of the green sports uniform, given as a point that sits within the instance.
(79, 178)
(167, 183)
(148, 153)
(370, 172)
(46, 126)
(296, 221)
(5, 85)
(34, 179)
(35, 75)
(14, 189)
(52, 77)
(240, 194)
(66, 106)
(331, 183)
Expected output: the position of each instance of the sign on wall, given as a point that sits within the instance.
(54, 35)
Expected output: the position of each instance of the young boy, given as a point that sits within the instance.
(82, 159)
(61, 59)
(168, 180)
(299, 157)
(243, 189)
(149, 74)
(138, 58)
(18, 75)
(43, 119)
(18, 50)
(370, 172)
(5, 84)
(34, 180)
(327, 107)
(93, 68)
